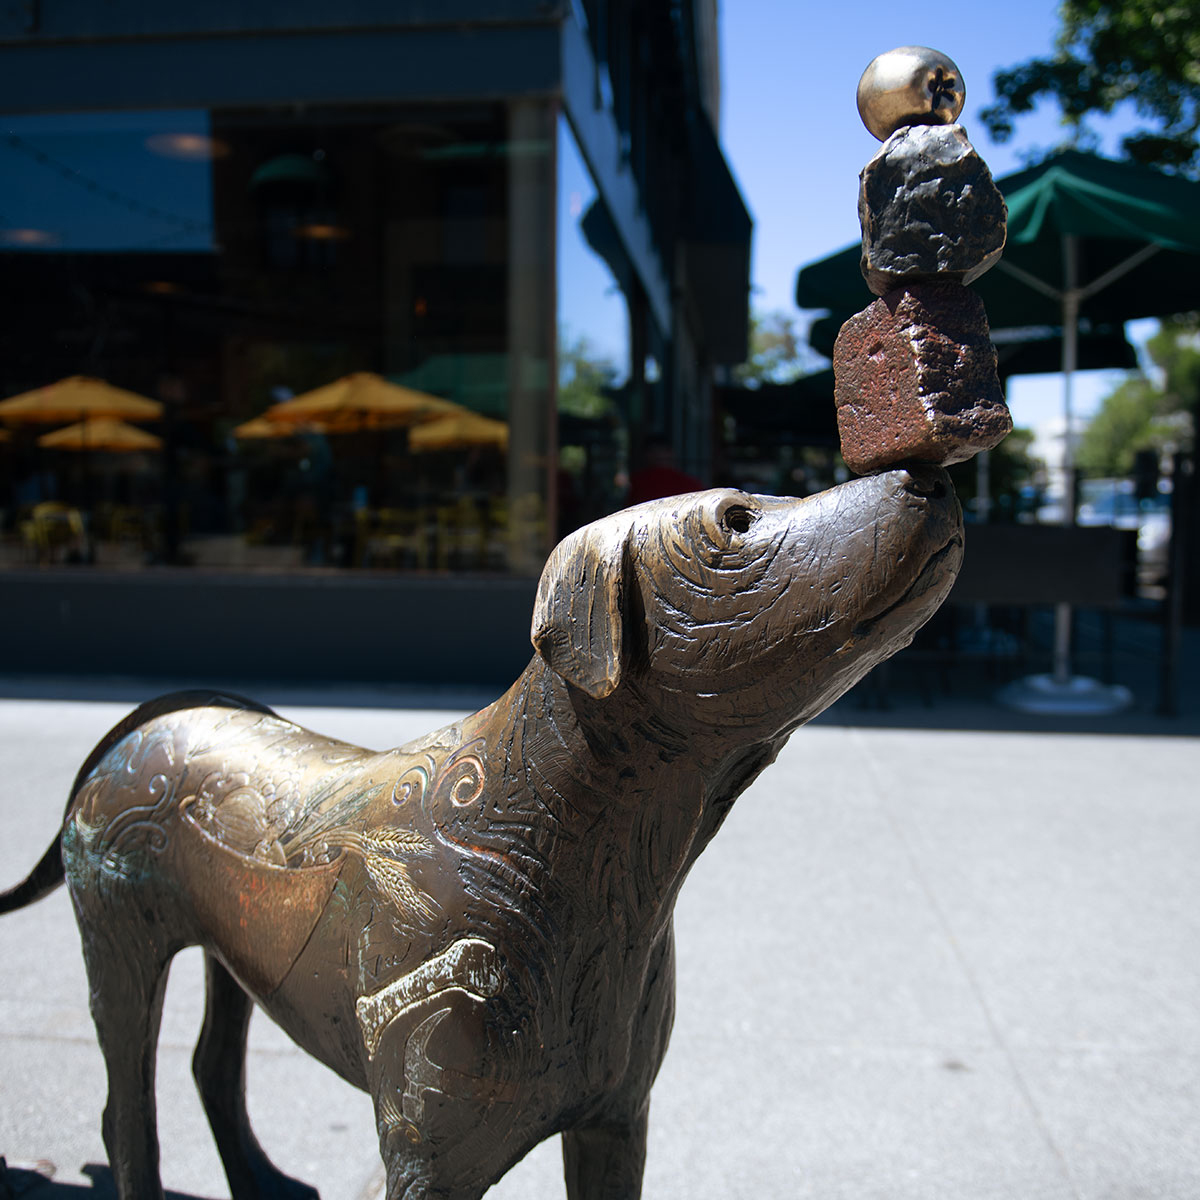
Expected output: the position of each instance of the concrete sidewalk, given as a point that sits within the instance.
(916, 964)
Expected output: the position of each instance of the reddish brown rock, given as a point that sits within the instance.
(915, 380)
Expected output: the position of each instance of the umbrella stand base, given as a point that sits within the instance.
(1076, 696)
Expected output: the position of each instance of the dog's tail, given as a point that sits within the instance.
(50, 872)
(41, 881)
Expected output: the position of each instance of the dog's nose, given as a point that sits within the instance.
(931, 482)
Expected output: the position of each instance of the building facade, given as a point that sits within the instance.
(493, 247)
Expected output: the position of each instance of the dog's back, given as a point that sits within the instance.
(49, 873)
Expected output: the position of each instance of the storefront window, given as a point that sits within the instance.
(344, 318)
(595, 398)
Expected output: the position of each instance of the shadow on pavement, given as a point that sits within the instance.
(19, 1183)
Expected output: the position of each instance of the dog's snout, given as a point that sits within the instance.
(930, 482)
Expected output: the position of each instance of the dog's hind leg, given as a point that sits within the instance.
(605, 1161)
(127, 976)
(219, 1066)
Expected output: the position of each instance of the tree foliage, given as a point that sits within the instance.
(1111, 53)
(586, 377)
(777, 352)
(1147, 413)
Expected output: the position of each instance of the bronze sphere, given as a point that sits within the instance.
(911, 85)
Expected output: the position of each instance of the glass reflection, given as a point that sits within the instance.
(594, 393)
(228, 264)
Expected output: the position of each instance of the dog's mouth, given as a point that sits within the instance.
(937, 575)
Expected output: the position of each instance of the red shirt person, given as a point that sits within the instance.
(659, 476)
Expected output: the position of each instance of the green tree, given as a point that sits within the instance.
(1147, 412)
(1011, 466)
(585, 377)
(1109, 54)
(777, 352)
(1124, 424)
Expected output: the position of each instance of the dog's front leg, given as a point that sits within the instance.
(425, 1166)
(448, 1125)
(605, 1154)
(410, 1179)
(605, 1161)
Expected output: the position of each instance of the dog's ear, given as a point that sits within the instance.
(578, 626)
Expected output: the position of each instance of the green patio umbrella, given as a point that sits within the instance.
(1078, 225)
(1128, 222)
(1024, 349)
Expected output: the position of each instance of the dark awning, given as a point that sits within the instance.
(717, 228)
(798, 413)
(1024, 349)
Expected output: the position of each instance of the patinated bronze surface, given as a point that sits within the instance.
(911, 85)
(476, 927)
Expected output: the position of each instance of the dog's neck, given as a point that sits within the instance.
(627, 784)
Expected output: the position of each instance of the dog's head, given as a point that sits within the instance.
(750, 613)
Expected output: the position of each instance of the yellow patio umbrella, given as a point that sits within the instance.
(361, 401)
(262, 428)
(459, 431)
(100, 433)
(75, 398)
(259, 427)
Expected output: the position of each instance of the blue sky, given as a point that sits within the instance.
(793, 137)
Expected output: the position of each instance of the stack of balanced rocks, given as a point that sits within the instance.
(915, 371)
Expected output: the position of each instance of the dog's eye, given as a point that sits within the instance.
(737, 519)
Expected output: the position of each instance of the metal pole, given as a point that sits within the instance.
(983, 486)
(1182, 478)
(1070, 360)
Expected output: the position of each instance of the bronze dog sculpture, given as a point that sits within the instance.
(476, 927)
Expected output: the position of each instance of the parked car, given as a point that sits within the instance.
(1115, 502)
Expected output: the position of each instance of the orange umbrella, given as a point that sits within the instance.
(361, 401)
(262, 427)
(100, 433)
(76, 397)
(459, 431)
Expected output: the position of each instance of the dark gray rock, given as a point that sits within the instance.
(929, 210)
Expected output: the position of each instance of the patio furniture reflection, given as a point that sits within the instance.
(98, 434)
(391, 537)
(461, 535)
(53, 527)
(127, 527)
